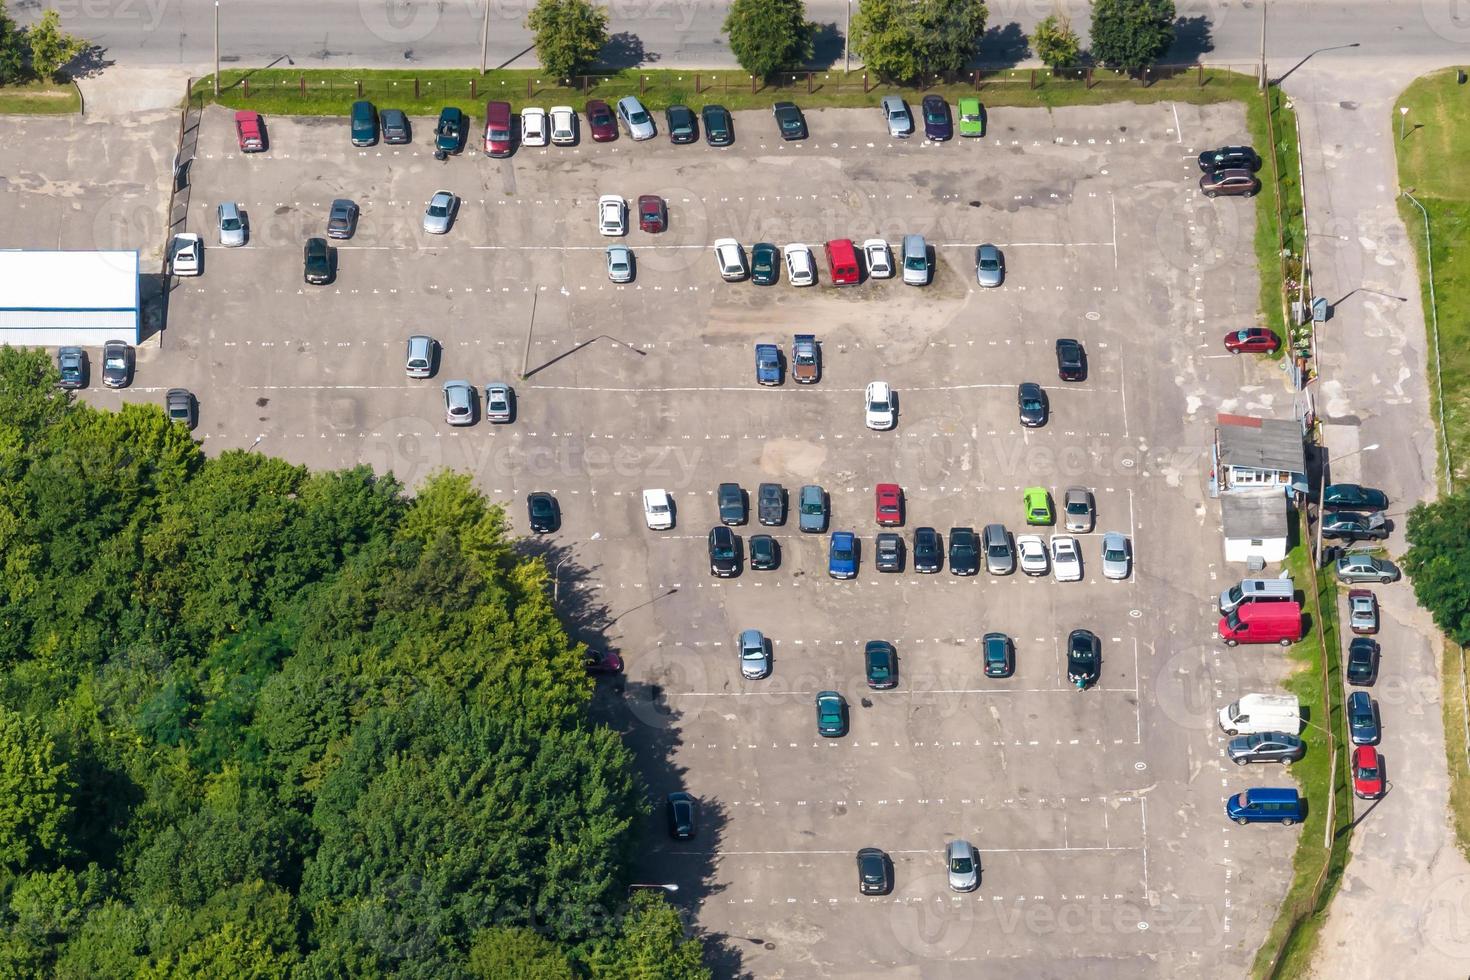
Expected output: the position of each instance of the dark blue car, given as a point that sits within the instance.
(842, 556)
(937, 123)
(768, 364)
(1362, 719)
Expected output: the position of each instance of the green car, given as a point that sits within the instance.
(972, 117)
(1038, 506)
(831, 714)
(765, 264)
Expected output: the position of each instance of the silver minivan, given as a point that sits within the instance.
(963, 865)
(419, 361)
(1256, 590)
(231, 225)
(1000, 557)
(915, 260)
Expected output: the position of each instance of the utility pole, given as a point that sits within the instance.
(216, 48)
(1263, 45)
(485, 38)
(846, 44)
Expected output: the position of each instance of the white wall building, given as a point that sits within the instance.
(56, 299)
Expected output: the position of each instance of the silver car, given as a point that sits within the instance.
(419, 359)
(499, 402)
(440, 213)
(990, 266)
(635, 118)
(1117, 556)
(1080, 510)
(1000, 557)
(459, 403)
(620, 263)
(963, 864)
(231, 225)
(755, 662)
(915, 260)
(896, 112)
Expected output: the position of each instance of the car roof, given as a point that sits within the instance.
(629, 101)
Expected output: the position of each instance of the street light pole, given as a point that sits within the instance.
(1263, 45)
(216, 48)
(485, 38)
(1322, 492)
(846, 43)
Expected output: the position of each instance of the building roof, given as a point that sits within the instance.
(1262, 444)
(68, 281)
(1255, 516)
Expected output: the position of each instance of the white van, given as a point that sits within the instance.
(1256, 590)
(1255, 714)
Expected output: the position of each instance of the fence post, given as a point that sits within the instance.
(472, 90)
(1087, 78)
(415, 89)
(809, 88)
(642, 83)
(865, 83)
(697, 89)
(1033, 78)
(528, 88)
(976, 78)
(359, 86)
(752, 84)
(246, 87)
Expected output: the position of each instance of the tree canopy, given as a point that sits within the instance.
(1438, 561)
(1131, 34)
(905, 40)
(569, 34)
(261, 721)
(768, 35)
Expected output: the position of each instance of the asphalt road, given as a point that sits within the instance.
(653, 33)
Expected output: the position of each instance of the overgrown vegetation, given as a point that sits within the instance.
(1280, 228)
(903, 40)
(260, 721)
(35, 53)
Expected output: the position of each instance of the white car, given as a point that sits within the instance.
(186, 254)
(533, 126)
(881, 411)
(1032, 552)
(1066, 560)
(563, 125)
(1117, 555)
(499, 402)
(658, 510)
(879, 258)
(612, 215)
(730, 257)
(619, 263)
(801, 268)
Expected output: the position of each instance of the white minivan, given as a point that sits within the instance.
(1255, 714)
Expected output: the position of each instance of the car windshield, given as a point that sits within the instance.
(499, 134)
(1113, 554)
(970, 116)
(875, 405)
(230, 224)
(116, 359)
(961, 865)
(762, 262)
(989, 262)
(540, 506)
(961, 547)
(752, 653)
(877, 665)
(438, 210)
(805, 356)
(638, 117)
(915, 262)
(934, 115)
(724, 550)
(658, 508)
(811, 506)
(1031, 404)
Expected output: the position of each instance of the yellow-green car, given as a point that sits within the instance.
(972, 117)
(1038, 506)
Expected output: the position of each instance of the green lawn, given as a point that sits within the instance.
(332, 91)
(39, 98)
(1278, 207)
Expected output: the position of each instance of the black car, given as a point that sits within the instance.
(964, 551)
(396, 131)
(1266, 747)
(71, 364)
(317, 259)
(450, 133)
(1346, 525)
(1229, 158)
(789, 120)
(732, 503)
(937, 124)
(770, 504)
(1350, 496)
(880, 661)
(1071, 360)
(680, 123)
(1362, 661)
(724, 552)
(718, 129)
(1084, 658)
(1031, 400)
(117, 364)
(928, 550)
(875, 874)
(765, 263)
(683, 813)
(1000, 655)
(888, 552)
(545, 514)
(765, 554)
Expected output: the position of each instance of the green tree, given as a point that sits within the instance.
(35, 793)
(768, 35)
(904, 40)
(50, 46)
(524, 954)
(1131, 34)
(650, 946)
(1438, 561)
(949, 33)
(1054, 41)
(569, 35)
(12, 49)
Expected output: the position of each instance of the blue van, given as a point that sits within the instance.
(1266, 805)
(364, 123)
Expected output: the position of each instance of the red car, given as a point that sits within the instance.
(600, 120)
(653, 216)
(602, 662)
(250, 129)
(890, 504)
(1252, 340)
(1367, 772)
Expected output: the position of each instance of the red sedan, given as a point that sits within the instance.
(602, 662)
(600, 120)
(653, 215)
(1252, 340)
(890, 504)
(1367, 772)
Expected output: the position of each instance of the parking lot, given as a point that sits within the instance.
(1097, 814)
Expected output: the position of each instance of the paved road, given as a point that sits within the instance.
(446, 33)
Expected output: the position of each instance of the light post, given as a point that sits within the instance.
(216, 48)
(1322, 492)
(1310, 55)
(485, 37)
(846, 43)
(1263, 45)
(556, 578)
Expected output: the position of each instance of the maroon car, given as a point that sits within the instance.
(653, 216)
(602, 662)
(600, 120)
(1252, 340)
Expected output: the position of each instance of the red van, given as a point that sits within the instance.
(498, 139)
(842, 263)
(1263, 622)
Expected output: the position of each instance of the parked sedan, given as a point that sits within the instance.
(682, 811)
(563, 125)
(765, 264)
(881, 409)
(896, 115)
(186, 254)
(888, 504)
(972, 116)
(1000, 655)
(1081, 510)
(533, 126)
(937, 124)
(395, 127)
(831, 714)
(888, 552)
(459, 403)
(842, 555)
(602, 662)
(801, 268)
(718, 129)
(231, 225)
(1036, 502)
(449, 134)
(875, 872)
(1351, 496)
(1265, 747)
(789, 120)
(1032, 403)
(770, 504)
(612, 215)
(990, 265)
(180, 406)
(680, 123)
(600, 121)
(1117, 556)
(499, 402)
(1252, 340)
(619, 263)
(755, 658)
(342, 219)
(963, 865)
(439, 215)
(1031, 554)
(653, 214)
(765, 553)
(1363, 611)
(71, 364)
(928, 551)
(731, 501)
(1367, 773)
(724, 552)
(1071, 360)
(1345, 525)
(316, 259)
(880, 663)
(1000, 555)
(1066, 559)
(1360, 567)
(879, 258)
(730, 258)
(1231, 183)
(117, 364)
(1084, 658)
(636, 119)
(811, 509)
(1362, 713)
(543, 512)
(964, 551)
(1362, 662)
